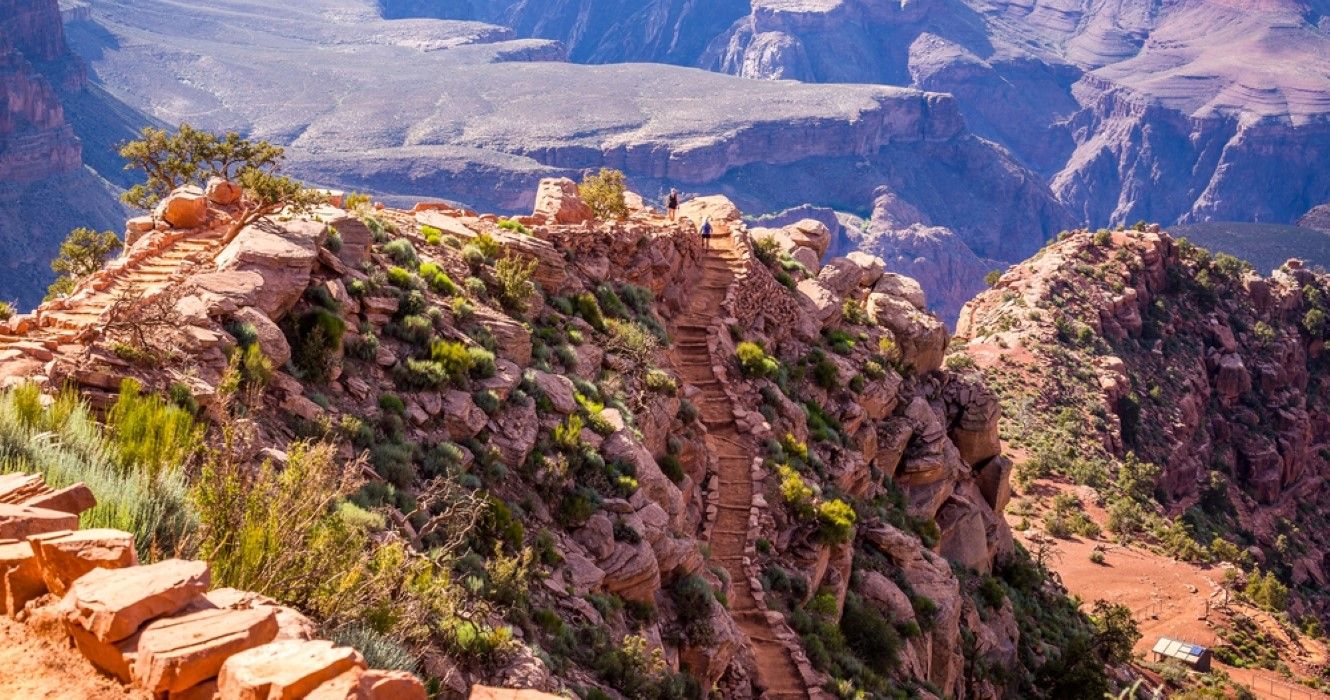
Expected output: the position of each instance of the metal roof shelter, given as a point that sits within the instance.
(1193, 655)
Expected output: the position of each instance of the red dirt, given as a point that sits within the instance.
(35, 668)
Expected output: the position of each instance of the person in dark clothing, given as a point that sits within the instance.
(672, 204)
(706, 233)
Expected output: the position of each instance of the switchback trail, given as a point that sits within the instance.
(777, 672)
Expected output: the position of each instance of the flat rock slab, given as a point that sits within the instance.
(72, 499)
(174, 654)
(481, 692)
(22, 522)
(64, 557)
(285, 670)
(20, 577)
(358, 684)
(112, 605)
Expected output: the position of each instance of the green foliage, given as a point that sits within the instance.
(589, 309)
(1264, 333)
(191, 156)
(379, 650)
(151, 435)
(1103, 238)
(64, 443)
(796, 492)
(660, 381)
(960, 362)
(835, 521)
(693, 600)
(433, 235)
(487, 245)
(1266, 591)
(454, 358)
(317, 340)
(993, 277)
(515, 226)
(1115, 632)
(7, 310)
(1314, 322)
(83, 252)
(604, 193)
(754, 361)
(402, 253)
(513, 274)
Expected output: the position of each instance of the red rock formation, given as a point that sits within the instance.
(35, 140)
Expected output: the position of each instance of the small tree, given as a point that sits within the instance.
(993, 277)
(189, 157)
(1115, 632)
(265, 194)
(604, 193)
(83, 253)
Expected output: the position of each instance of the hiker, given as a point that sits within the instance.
(706, 233)
(672, 203)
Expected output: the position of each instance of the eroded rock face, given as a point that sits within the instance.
(559, 202)
(275, 260)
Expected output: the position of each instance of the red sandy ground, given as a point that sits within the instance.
(1169, 599)
(35, 668)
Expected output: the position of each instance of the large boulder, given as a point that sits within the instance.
(282, 254)
(223, 192)
(22, 522)
(174, 654)
(272, 341)
(920, 336)
(20, 577)
(481, 692)
(558, 200)
(185, 208)
(716, 207)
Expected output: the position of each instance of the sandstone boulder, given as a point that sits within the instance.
(513, 338)
(185, 208)
(22, 522)
(920, 336)
(20, 577)
(65, 557)
(223, 192)
(359, 684)
(841, 276)
(282, 254)
(73, 499)
(284, 670)
(272, 341)
(558, 389)
(112, 605)
(717, 207)
(463, 419)
(173, 654)
(558, 200)
(994, 481)
(823, 304)
(871, 267)
(901, 287)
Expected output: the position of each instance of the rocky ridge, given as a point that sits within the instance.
(1118, 349)
(866, 485)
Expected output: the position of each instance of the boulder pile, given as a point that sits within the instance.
(158, 627)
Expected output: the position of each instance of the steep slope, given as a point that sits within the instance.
(1185, 391)
(44, 190)
(696, 466)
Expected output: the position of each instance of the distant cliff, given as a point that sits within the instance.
(44, 189)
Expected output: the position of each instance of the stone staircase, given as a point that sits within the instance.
(158, 628)
(783, 671)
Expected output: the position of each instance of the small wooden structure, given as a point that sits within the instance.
(1194, 656)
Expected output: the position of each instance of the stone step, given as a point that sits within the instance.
(112, 605)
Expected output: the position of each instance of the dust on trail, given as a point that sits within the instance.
(35, 668)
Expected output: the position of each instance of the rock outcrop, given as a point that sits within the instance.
(1141, 348)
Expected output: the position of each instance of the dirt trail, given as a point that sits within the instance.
(35, 668)
(777, 672)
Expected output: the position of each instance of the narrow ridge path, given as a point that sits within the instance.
(777, 673)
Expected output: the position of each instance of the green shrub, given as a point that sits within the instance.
(379, 650)
(604, 193)
(589, 309)
(660, 381)
(318, 337)
(767, 249)
(7, 310)
(391, 403)
(754, 361)
(151, 434)
(835, 521)
(432, 235)
(513, 274)
(402, 253)
(473, 256)
(960, 362)
(453, 357)
(796, 492)
(514, 226)
(488, 401)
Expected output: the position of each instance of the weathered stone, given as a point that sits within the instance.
(558, 389)
(291, 623)
(21, 522)
(901, 287)
(185, 208)
(284, 670)
(20, 577)
(994, 480)
(67, 556)
(920, 336)
(73, 499)
(558, 200)
(113, 604)
(481, 692)
(462, 418)
(282, 254)
(272, 341)
(173, 654)
(223, 192)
